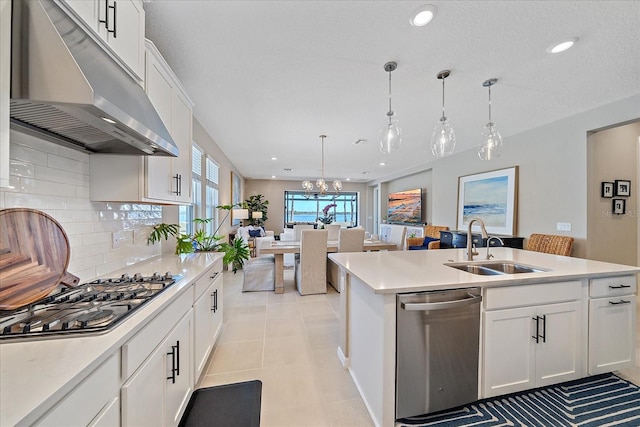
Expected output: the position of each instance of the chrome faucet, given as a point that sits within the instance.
(470, 249)
(489, 256)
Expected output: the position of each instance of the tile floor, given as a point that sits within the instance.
(289, 342)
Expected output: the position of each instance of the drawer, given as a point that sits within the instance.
(138, 348)
(535, 294)
(612, 286)
(206, 279)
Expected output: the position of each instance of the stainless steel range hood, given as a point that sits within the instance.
(67, 89)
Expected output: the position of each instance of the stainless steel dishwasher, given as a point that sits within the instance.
(437, 350)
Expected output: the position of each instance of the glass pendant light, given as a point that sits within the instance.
(443, 138)
(322, 185)
(391, 135)
(491, 145)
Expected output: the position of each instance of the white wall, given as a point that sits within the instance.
(55, 180)
(552, 162)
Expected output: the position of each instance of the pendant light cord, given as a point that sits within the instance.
(390, 113)
(490, 105)
(322, 159)
(443, 116)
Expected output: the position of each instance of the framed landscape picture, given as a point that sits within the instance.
(492, 197)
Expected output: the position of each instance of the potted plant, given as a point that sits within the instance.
(235, 252)
(412, 240)
(255, 203)
(328, 217)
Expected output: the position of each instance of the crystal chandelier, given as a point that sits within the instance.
(443, 138)
(391, 135)
(491, 145)
(322, 185)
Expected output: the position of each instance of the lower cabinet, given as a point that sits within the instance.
(532, 346)
(612, 324)
(163, 381)
(207, 317)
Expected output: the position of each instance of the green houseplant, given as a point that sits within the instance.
(235, 253)
(256, 203)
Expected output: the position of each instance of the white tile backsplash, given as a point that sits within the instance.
(55, 180)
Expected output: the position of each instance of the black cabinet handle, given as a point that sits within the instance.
(537, 335)
(619, 302)
(214, 275)
(178, 358)
(215, 301)
(544, 328)
(619, 286)
(105, 21)
(174, 352)
(177, 178)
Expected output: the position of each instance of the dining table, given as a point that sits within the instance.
(278, 248)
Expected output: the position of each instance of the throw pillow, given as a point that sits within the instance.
(428, 240)
(255, 233)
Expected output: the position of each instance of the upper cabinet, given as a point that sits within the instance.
(5, 73)
(151, 179)
(120, 24)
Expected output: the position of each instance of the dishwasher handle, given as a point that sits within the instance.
(442, 305)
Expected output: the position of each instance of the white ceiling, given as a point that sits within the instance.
(268, 77)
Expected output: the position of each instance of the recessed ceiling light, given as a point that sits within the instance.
(360, 141)
(422, 15)
(562, 46)
(274, 158)
(273, 176)
(348, 179)
(383, 164)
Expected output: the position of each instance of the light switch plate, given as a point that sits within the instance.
(563, 226)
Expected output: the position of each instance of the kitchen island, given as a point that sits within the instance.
(119, 377)
(575, 293)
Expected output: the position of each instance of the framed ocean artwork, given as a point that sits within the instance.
(405, 207)
(492, 197)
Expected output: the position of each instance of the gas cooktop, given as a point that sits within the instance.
(91, 307)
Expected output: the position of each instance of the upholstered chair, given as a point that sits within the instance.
(397, 236)
(311, 267)
(349, 240)
(259, 274)
(550, 244)
(297, 229)
(431, 232)
(334, 231)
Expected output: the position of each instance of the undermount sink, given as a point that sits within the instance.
(492, 268)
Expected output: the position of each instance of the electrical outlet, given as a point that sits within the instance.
(563, 226)
(119, 238)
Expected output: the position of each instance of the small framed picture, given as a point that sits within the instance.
(606, 189)
(618, 206)
(622, 188)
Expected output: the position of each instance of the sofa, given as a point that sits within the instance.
(259, 235)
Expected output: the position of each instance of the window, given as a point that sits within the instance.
(299, 207)
(188, 213)
(211, 198)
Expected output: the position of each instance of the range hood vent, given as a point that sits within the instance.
(67, 89)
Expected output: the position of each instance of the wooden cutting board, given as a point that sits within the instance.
(34, 255)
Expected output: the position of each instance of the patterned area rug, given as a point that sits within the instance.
(601, 400)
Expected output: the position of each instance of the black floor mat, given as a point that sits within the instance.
(225, 405)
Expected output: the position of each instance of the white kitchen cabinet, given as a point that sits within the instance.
(532, 345)
(93, 402)
(207, 316)
(5, 83)
(151, 179)
(612, 324)
(120, 24)
(157, 367)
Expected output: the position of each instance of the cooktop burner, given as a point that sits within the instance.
(95, 306)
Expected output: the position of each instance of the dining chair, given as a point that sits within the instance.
(550, 244)
(397, 236)
(297, 229)
(334, 231)
(311, 266)
(349, 240)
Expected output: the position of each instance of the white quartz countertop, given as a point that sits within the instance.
(415, 271)
(36, 373)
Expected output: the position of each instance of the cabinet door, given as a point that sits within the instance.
(509, 356)
(159, 88)
(559, 350)
(202, 331)
(142, 393)
(217, 308)
(181, 117)
(612, 333)
(86, 10)
(125, 32)
(178, 383)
